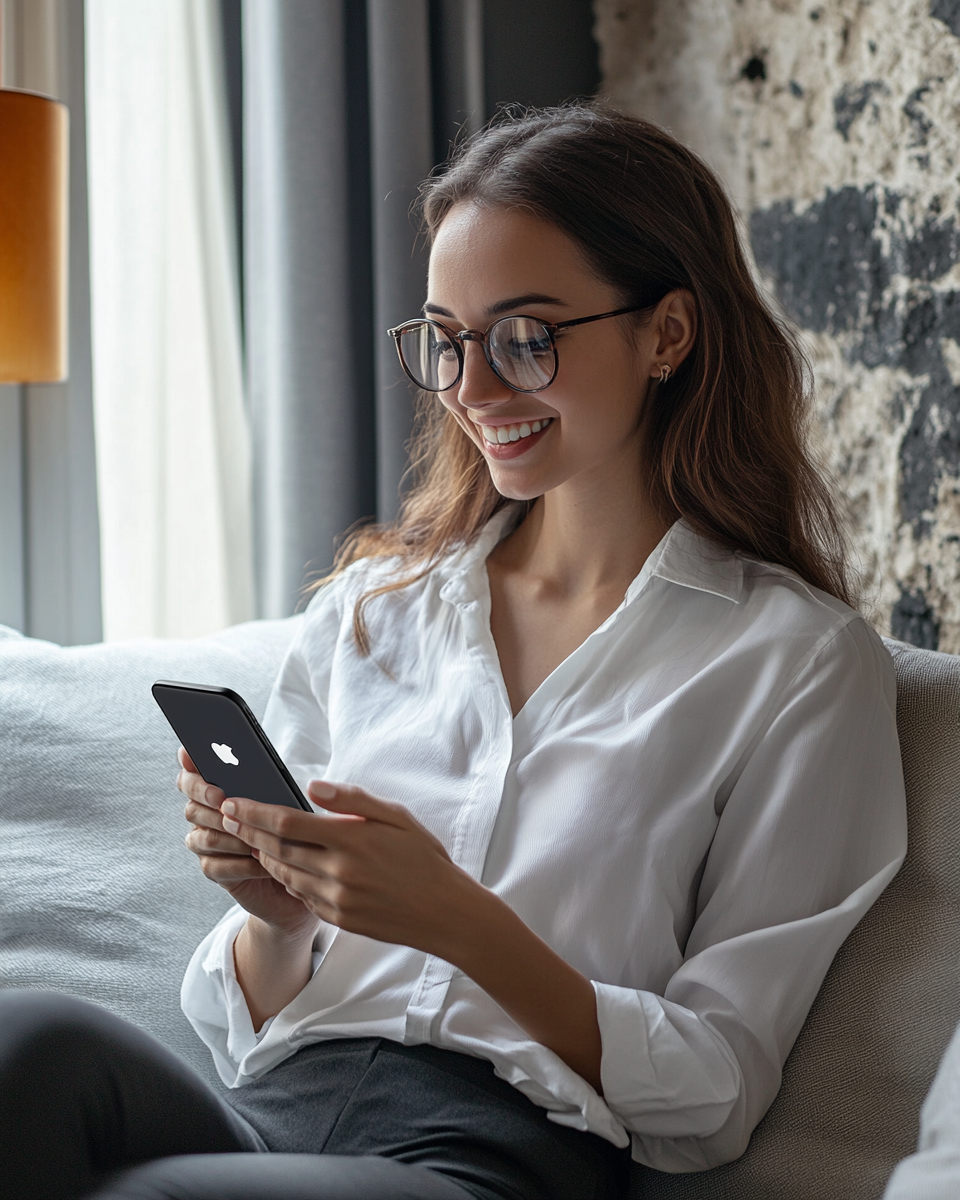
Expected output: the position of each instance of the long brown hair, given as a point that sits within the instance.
(728, 433)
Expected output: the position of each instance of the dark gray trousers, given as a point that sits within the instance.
(92, 1107)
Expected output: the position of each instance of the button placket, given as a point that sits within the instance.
(475, 822)
(476, 819)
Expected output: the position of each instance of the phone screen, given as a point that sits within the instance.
(226, 743)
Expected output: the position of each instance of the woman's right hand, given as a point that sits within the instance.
(228, 861)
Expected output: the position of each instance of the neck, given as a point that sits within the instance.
(586, 537)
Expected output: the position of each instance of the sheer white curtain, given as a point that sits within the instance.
(172, 436)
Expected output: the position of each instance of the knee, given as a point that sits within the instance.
(32, 1021)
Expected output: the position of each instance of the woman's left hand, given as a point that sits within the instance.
(369, 867)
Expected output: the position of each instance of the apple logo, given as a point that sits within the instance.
(225, 754)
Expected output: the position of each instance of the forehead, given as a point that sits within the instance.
(489, 253)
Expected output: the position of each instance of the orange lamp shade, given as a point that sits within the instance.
(33, 238)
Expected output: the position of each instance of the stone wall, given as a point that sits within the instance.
(836, 127)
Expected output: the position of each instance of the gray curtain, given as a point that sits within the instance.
(346, 107)
(308, 286)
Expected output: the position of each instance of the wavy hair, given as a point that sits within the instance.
(727, 449)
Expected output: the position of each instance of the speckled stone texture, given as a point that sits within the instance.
(836, 127)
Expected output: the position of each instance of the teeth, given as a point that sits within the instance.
(501, 434)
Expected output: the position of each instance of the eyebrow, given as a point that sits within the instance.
(503, 306)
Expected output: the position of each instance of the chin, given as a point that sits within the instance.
(513, 494)
(518, 489)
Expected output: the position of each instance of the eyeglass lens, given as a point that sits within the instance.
(521, 349)
(429, 356)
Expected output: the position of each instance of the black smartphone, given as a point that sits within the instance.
(226, 743)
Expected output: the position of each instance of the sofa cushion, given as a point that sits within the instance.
(99, 897)
(853, 1086)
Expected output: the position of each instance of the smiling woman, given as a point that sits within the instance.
(607, 765)
(641, 219)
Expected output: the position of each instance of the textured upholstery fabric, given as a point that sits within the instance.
(852, 1089)
(99, 898)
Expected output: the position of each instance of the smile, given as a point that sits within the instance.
(496, 435)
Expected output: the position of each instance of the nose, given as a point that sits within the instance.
(480, 387)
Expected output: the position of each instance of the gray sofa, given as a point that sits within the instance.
(99, 898)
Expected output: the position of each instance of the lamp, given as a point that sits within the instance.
(33, 238)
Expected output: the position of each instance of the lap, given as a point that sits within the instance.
(86, 1097)
(432, 1108)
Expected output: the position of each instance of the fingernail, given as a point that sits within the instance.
(228, 807)
(322, 790)
(230, 826)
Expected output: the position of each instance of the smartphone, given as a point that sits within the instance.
(226, 743)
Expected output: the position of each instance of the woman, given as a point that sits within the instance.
(606, 761)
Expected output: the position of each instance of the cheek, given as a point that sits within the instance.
(606, 377)
(450, 402)
(455, 409)
(452, 405)
(602, 415)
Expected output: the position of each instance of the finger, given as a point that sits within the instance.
(186, 761)
(228, 870)
(242, 817)
(202, 814)
(214, 841)
(198, 813)
(317, 894)
(346, 800)
(320, 861)
(353, 801)
(307, 855)
(196, 788)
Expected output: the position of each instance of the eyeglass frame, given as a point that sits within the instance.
(475, 335)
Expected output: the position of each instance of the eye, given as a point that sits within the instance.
(442, 348)
(536, 346)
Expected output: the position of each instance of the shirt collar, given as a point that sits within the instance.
(465, 564)
(682, 556)
(686, 558)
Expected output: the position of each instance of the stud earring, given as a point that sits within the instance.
(664, 373)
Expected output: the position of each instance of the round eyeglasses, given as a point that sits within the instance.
(521, 351)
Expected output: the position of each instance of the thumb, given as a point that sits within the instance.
(354, 801)
(186, 761)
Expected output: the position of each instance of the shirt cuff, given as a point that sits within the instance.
(664, 1073)
(233, 986)
(220, 969)
(203, 995)
(214, 1004)
(241, 1037)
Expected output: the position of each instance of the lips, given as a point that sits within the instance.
(495, 435)
(519, 444)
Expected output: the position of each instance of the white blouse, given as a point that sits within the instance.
(694, 809)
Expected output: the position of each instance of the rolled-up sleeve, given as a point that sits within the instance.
(212, 1001)
(812, 828)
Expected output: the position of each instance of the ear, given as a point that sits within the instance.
(675, 327)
